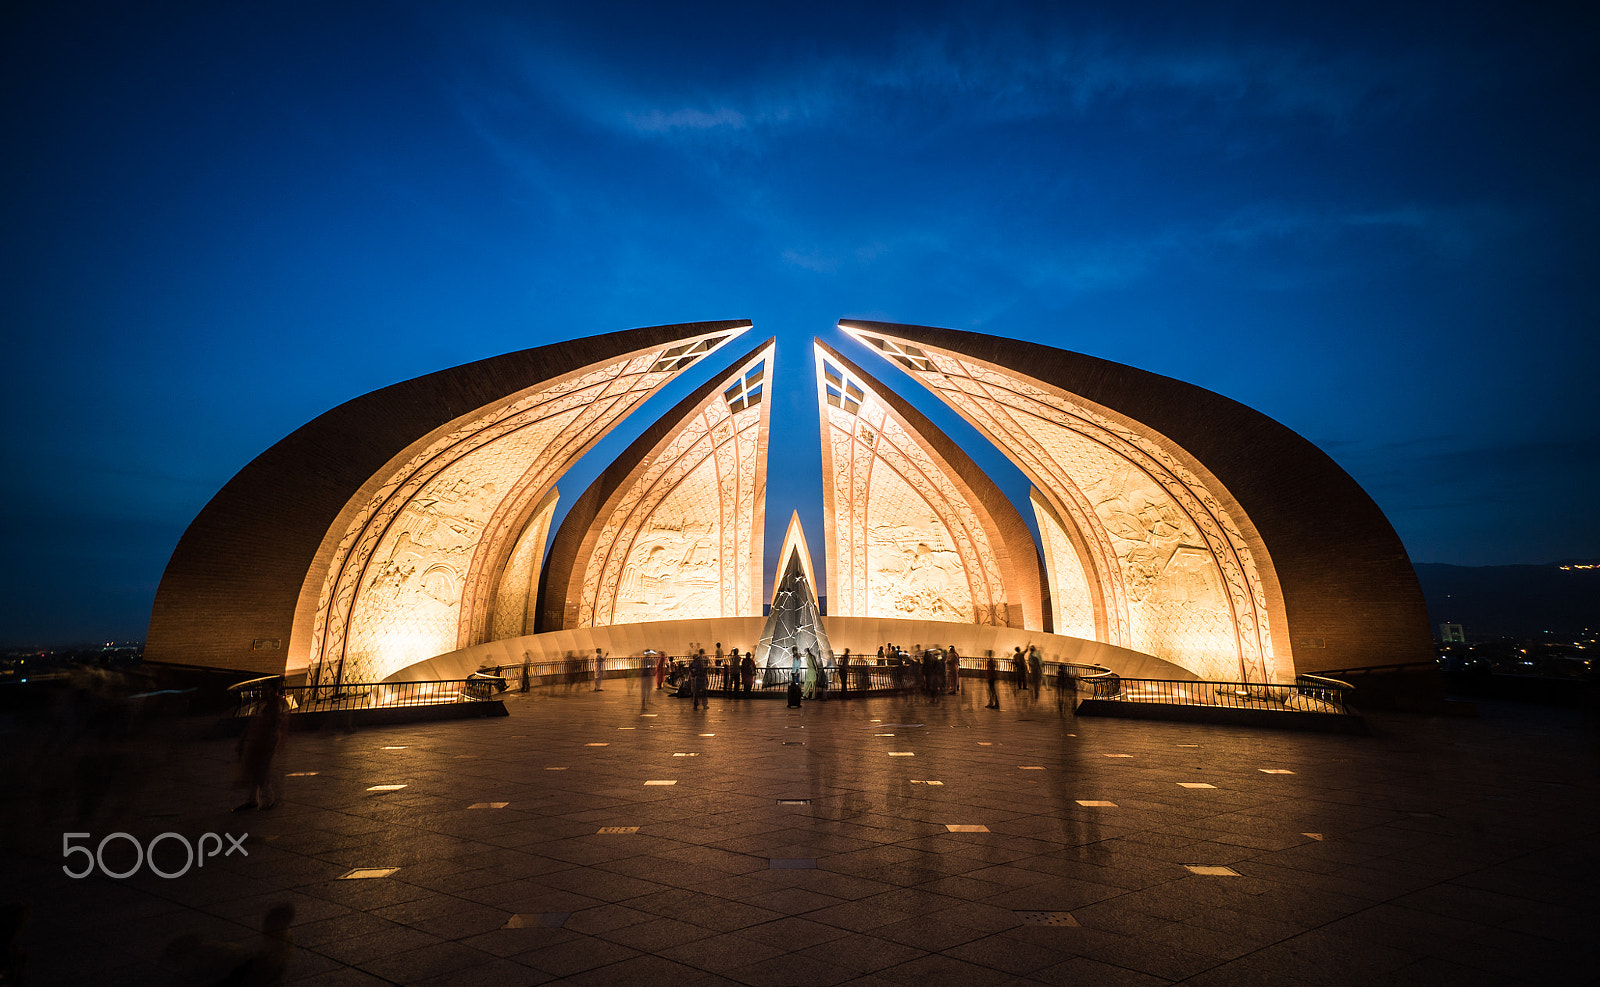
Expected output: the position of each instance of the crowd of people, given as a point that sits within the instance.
(933, 672)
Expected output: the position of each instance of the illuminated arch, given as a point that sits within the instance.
(1205, 533)
(378, 534)
(914, 528)
(673, 528)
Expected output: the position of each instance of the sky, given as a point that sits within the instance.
(1376, 224)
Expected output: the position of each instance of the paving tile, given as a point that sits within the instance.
(575, 956)
(925, 933)
(513, 942)
(501, 973)
(429, 961)
(792, 933)
(730, 916)
(940, 970)
(859, 916)
(1001, 953)
(638, 970)
(655, 935)
(791, 901)
(722, 953)
(386, 942)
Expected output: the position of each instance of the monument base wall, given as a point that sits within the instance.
(862, 635)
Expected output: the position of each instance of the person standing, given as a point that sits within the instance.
(599, 669)
(697, 679)
(822, 681)
(1035, 671)
(794, 679)
(747, 669)
(952, 670)
(991, 670)
(844, 673)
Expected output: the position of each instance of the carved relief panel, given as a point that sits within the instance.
(517, 594)
(408, 574)
(1071, 600)
(1170, 566)
(681, 537)
(904, 538)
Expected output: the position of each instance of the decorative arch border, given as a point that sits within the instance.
(276, 559)
(724, 422)
(1316, 577)
(867, 427)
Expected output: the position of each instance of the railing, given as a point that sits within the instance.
(366, 695)
(864, 674)
(1308, 693)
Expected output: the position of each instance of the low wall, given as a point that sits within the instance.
(1284, 719)
(675, 637)
(862, 635)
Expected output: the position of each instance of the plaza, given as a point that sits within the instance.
(618, 838)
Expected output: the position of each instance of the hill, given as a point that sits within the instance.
(1513, 600)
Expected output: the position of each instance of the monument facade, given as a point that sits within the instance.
(410, 525)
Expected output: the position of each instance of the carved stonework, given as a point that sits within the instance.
(416, 565)
(517, 595)
(1071, 602)
(680, 535)
(1185, 585)
(906, 535)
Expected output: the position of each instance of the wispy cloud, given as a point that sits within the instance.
(661, 122)
(976, 71)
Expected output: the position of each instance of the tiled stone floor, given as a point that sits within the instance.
(1447, 851)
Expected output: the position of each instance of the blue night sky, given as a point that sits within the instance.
(1377, 224)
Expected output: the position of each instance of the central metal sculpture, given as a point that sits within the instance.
(795, 625)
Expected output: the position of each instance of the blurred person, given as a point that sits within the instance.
(260, 746)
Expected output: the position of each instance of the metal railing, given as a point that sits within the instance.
(864, 674)
(1308, 693)
(367, 695)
